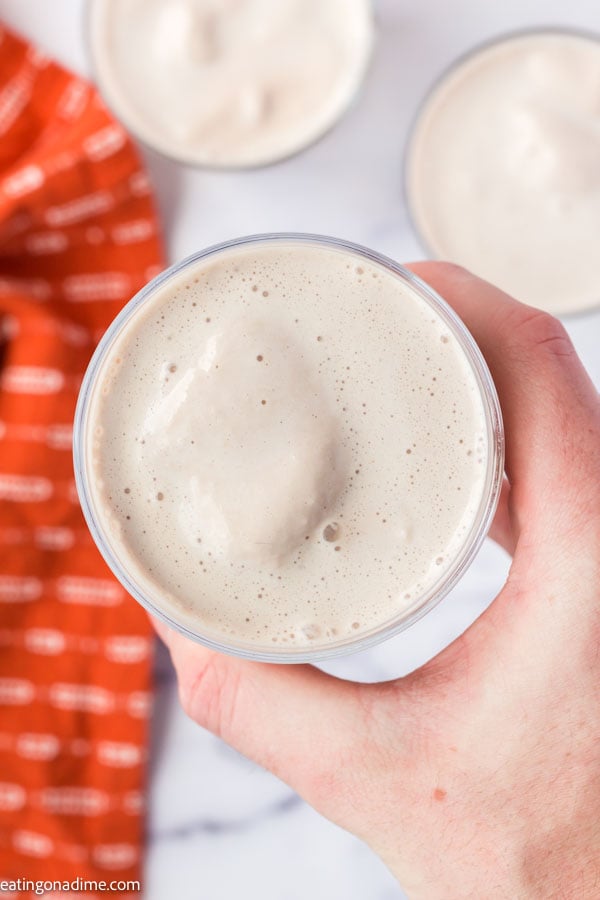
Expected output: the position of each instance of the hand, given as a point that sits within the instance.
(478, 775)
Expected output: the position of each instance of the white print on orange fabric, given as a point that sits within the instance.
(80, 209)
(41, 747)
(74, 801)
(67, 331)
(50, 642)
(24, 488)
(93, 287)
(134, 803)
(33, 288)
(74, 334)
(19, 589)
(72, 493)
(139, 184)
(105, 143)
(38, 58)
(47, 537)
(30, 843)
(14, 98)
(84, 697)
(59, 437)
(45, 641)
(89, 591)
(12, 796)
(23, 181)
(139, 704)
(115, 856)
(133, 232)
(44, 243)
(62, 162)
(152, 271)
(119, 755)
(10, 637)
(31, 380)
(14, 536)
(74, 100)
(16, 691)
(37, 746)
(89, 698)
(22, 432)
(127, 649)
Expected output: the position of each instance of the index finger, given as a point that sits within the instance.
(550, 406)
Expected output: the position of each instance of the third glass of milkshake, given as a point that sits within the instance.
(288, 447)
(228, 84)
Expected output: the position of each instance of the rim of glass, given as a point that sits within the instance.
(438, 82)
(426, 601)
(188, 161)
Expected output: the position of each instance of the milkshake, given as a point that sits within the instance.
(230, 82)
(287, 447)
(503, 171)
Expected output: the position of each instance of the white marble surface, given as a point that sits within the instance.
(219, 828)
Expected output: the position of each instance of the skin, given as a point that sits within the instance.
(478, 776)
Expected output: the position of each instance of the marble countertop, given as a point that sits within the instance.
(219, 827)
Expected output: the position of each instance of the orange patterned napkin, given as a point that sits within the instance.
(78, 236)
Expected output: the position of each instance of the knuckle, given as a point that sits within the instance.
(453, 271)
(539, 331)
(209, 695)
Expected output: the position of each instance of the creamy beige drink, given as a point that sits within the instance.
(230, 82)
(288, 446)
(504, 168)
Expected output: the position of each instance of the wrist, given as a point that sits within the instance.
(537, 871)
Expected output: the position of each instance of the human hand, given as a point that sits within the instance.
(478, 775)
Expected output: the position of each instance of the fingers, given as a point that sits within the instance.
(549, 404)
(293, 720)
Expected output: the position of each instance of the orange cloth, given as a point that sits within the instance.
(78, 236)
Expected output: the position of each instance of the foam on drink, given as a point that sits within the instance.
(288, 446)
(230, 83)
(504, 172)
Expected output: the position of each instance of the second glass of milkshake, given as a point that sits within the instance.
(288, 447)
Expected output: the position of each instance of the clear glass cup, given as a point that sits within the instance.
(149, 137)
(331, 648)
(451, 76)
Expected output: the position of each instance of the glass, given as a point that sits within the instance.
(449, 76)
(427, 600)
(148, 137)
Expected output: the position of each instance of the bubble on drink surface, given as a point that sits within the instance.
(311, 632)
(331, 532)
